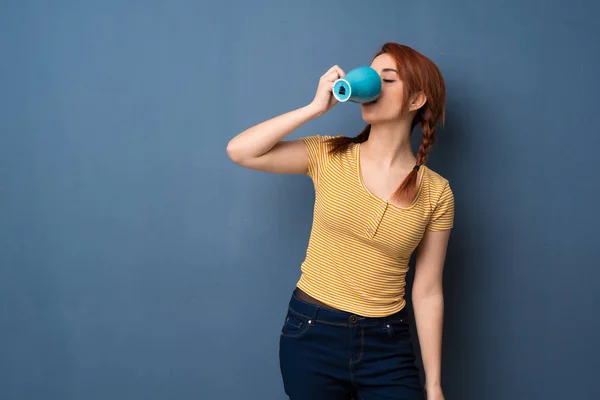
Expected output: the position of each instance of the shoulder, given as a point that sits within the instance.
(319, 153)
(318, 140)
(441, 201)
(319, 146)
(437, 185)
(435, 179)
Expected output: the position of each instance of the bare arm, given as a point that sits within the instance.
(262, 147)
(428, 303)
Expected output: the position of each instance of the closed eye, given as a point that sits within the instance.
(389, 80)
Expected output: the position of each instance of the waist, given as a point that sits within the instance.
(301, 295)
(341, 289)
(306, 305)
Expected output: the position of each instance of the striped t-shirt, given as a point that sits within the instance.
(360, 245)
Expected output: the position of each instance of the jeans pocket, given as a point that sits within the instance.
(295, 325)
(398, 329)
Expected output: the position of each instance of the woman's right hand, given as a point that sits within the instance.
(324, 99)
(262, 147)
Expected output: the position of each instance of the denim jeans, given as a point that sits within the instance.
(328, 354)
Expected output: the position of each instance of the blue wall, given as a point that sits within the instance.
(137, 261)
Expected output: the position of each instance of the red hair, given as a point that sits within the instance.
(419, 74)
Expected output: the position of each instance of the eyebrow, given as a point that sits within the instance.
(389, 69)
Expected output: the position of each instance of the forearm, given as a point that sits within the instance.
(259, 139)
(429, 316)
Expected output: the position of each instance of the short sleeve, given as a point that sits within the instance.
(317, 154)
(443, 212)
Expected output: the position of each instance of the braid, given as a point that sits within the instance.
(408, 189)
(428, 128)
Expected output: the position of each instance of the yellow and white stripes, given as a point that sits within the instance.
(360, 245)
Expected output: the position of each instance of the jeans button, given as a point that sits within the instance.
(353, 319)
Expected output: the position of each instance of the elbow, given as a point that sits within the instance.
(233, 152)
(427, 291)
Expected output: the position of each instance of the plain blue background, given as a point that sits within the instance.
(138, 262)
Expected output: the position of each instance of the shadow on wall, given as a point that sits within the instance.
(448, 159)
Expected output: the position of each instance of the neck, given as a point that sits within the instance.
(390, 145)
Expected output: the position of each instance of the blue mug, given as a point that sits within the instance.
(361, 85)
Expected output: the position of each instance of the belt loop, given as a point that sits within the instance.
(315, 315)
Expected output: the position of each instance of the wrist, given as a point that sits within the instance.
(312, 111)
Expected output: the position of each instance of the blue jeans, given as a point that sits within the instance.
(327, 354)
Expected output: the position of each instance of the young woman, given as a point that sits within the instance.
(346, 333)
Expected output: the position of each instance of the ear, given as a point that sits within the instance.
(418, 100)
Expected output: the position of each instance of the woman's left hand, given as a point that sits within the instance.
(435, 393)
